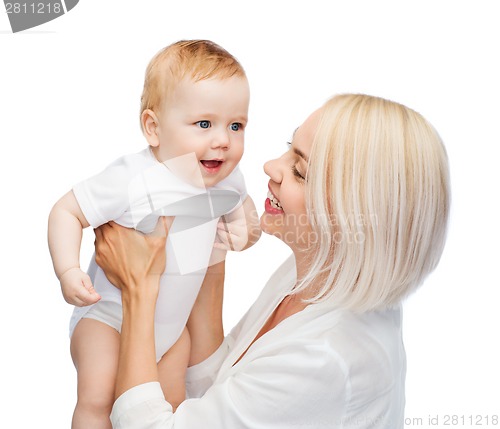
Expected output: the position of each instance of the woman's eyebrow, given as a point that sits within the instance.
(301, 154)
(298, 151)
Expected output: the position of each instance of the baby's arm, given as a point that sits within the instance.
(66, 222)
(239, 229)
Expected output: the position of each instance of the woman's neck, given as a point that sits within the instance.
(303, 265)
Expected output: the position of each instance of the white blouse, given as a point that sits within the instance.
(323, 367)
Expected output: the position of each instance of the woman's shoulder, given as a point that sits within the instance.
(350, 334)
(365, 350)
(364, 346)
(369, 346)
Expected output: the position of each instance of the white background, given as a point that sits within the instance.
(69, 100)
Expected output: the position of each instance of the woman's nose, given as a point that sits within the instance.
(273, 169)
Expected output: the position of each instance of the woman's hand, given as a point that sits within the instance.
(239, 229)
(131, 259)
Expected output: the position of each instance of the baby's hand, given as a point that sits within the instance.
(77, 288)
(232, 235)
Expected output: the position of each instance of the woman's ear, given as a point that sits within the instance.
(150, 125)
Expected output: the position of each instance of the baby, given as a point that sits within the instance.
(194, 109)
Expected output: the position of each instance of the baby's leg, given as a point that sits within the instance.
(172, 370)
(94, 349)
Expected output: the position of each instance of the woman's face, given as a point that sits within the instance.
(285, 213)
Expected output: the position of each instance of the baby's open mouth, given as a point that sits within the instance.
(211, 163)
(212, 166)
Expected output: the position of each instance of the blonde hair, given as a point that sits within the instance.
(194, 59)
(378, 200)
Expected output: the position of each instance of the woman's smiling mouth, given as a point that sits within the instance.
(272, 204)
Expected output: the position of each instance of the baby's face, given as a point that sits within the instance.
(207, 118)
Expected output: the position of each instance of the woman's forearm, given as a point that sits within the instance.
(134, 263)
(205, 322)
(137, 359)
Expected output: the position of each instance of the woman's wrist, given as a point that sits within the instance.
(137, 361)
(139, 305)
(144, 291)
(138, 318)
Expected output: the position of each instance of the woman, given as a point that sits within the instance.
(362, 200)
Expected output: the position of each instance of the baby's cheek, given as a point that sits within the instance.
(239, 154)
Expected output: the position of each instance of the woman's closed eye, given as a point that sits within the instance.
(296, 173)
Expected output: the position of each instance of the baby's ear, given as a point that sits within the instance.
(149, 123)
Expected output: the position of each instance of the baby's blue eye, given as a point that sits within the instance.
(236, 126)
(203, 124)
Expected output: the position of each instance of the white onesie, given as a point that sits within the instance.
(134, 191)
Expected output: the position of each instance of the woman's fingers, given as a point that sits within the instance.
(98, 244)
(161, 228)
(97, 232)
(127, 256)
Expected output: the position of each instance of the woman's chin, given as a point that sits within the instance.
(269, 228)
(267, 225)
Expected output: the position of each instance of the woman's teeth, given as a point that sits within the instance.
(274, 201)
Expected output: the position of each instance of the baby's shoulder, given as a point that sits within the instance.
(133, 163)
